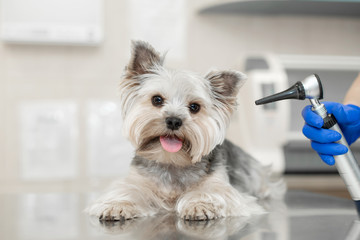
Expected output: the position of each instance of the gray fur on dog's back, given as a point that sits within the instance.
(245, 173)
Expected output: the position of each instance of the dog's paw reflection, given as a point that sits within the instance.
(138, 228)
(195, 225)
(212, 229)
(116, 227)
(207, 229)
(120, 226)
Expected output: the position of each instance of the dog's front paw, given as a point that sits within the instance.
(200, 211)
(114, 211)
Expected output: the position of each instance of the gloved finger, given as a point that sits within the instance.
(337, 110)
(321, 135)
(328, 159)
(344, 114)
(312, 118)
(353, 113)
(347, 114)
(329, 148)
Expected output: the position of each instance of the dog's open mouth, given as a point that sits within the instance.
(171, 144)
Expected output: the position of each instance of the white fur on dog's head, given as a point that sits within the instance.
(144, 123)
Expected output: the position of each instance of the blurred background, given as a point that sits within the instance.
(61, 61)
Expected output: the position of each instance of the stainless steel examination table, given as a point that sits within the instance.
(301, 216)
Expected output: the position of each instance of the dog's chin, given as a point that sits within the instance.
(152, 149)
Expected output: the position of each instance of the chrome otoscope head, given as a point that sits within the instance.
(310, 88)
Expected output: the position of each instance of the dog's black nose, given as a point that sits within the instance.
(173, 123)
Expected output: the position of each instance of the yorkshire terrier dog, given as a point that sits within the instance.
(177, 121)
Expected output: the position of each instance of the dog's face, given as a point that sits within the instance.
(174, 116)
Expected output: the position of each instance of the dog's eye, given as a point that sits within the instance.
(157, 101)
(194, 108)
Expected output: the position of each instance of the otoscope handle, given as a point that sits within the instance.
(348, 167)
(346, 164)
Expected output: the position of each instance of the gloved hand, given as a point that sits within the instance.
(322, 140)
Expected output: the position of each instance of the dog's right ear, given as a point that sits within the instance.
(143, 58)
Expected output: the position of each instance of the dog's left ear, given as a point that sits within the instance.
(143, 58)
(226, 84)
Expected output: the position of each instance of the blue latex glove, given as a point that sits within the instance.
(322, 140)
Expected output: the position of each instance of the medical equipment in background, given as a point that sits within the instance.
(254, 128)
(346, 164)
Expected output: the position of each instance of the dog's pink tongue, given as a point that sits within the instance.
(171, 144)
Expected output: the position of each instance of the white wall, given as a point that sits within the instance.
(81, 74)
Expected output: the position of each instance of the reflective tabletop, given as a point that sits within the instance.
(301, 215)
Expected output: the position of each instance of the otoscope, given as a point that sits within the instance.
(346, 164)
